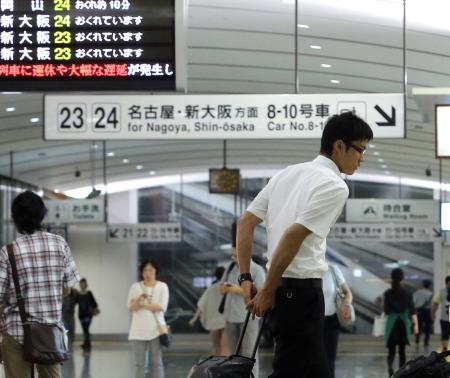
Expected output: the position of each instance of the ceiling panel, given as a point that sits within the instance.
(246, 46)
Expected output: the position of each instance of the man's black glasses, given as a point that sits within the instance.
(361, 150)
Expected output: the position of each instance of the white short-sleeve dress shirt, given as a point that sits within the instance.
(312, 194)
(143, 323)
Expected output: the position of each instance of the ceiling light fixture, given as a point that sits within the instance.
(376, 153)
(125, 161)
(325, 65)
(303, 26)
(35, 119)
(152, 173)
(139, 167)
(10, 109)
(387, 172)
(384, 166)
(381, 160)
(316, 47)
(110, 154)
(334, 81)
(371, 145)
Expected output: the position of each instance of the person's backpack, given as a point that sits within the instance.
(433, 366)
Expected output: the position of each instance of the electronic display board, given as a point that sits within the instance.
(89, 44)
(224, 181)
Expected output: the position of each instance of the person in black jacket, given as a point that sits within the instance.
(401, 319)
(87, 309)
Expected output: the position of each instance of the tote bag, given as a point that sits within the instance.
(379, 325)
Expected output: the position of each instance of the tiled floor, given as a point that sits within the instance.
(359, 357)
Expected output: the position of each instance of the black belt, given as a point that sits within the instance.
(301, 283)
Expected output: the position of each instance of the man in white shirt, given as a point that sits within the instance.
(299, 205)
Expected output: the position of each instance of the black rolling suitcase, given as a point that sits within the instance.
(234, 366)
(433, 366)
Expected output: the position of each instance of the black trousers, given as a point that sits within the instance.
(85, 324)
(425, 324)
(330, 339)
(297, 322)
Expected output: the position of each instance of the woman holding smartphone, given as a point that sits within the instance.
(147, 301)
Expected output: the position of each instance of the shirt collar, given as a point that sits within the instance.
(327, 162)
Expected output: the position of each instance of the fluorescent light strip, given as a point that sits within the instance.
(122, 186)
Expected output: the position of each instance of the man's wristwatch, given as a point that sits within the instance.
(244, 277)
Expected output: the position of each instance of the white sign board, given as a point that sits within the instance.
(445, 216)
(145, 232)
(98, 117)
(392, 211)
(384, 232)
(74, 211)
(442, 131)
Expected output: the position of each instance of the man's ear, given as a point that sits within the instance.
(339, 146)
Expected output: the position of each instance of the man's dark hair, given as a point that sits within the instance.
(426, 284)
(28, 211)
(447, 280)
(146, 262)
(83, 280)
(347, 127)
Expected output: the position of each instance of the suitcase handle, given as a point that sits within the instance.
(241, 336)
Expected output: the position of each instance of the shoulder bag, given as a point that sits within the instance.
(339, 302)
(44, 344)
(165, 336)
(221, 308)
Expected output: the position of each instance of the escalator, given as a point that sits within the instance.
(206, 227)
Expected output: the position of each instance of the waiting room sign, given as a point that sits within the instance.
(392, 211)
(109, 117)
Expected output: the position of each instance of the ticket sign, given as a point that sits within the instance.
(69, 117)
(89, 44)
(145, 232)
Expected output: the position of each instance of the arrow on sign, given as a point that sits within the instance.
(390, 121)
(113, 233)
(437, 233)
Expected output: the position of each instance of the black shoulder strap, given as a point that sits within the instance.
(15, 276)
(230, 268)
